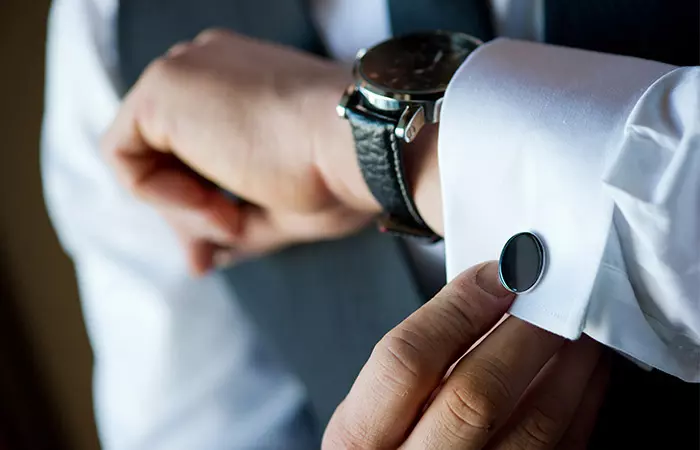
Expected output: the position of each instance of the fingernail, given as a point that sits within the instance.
(488, 280)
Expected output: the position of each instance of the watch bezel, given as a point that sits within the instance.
(385, 99)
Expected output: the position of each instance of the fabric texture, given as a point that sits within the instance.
(615, 201)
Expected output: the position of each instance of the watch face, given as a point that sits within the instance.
(416, 64)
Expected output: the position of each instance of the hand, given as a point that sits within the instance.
(255, 119)
(521, 387)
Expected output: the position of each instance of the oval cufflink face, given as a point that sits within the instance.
(522, 263)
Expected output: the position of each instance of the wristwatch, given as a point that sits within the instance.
(398, 87)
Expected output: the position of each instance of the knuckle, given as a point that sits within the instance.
(539, 429)
(342, 433)
(337, 437)
(493, 374)
(468, 413)
(178, 49)
(158, 70)
(400, 361)
(466, 312)
(212, 35)
(112, 155)
(460, 318)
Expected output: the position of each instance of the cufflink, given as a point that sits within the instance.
(522, 263)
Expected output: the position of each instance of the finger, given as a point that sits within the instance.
(201, 256)
(201, 207)
(204, 256)
(217, 221)
(124, 141)
(582, 425)
(488, 333)
(452, 367)
(410, 361)
(156, 177)
(145, 165)
(484, 387)
(262, 230)
(217, 242)
(178, 49)
(141, 140)
(548, 406)
(211, 35)
(203, 248)
(162, 179)
(224, 257)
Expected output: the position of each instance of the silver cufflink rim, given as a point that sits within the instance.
(539, 244)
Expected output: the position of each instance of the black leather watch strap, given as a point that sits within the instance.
(382, 165)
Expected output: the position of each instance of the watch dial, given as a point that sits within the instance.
(418, 63)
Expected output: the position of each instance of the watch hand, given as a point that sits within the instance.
(436, 60)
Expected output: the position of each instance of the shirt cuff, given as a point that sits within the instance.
(527, 132)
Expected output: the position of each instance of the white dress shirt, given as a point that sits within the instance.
(600, 156)
(177, 363)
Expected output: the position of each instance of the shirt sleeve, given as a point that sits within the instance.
(599, 155)
(177, 364)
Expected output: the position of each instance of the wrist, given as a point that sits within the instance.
(423, 176)
(335, 154)
(336, 160)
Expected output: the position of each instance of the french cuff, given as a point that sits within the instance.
(650, 276)
(527, 132)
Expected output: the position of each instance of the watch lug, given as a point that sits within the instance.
(437, 111)
(358, 60)
(347, 98)
(410, 123)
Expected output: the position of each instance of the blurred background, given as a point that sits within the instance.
(45, 359)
